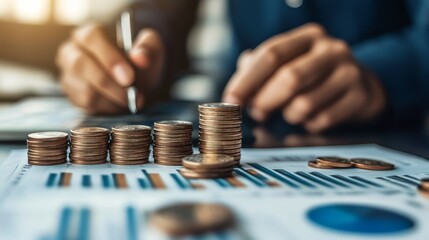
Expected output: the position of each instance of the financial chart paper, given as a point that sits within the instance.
(274, 193)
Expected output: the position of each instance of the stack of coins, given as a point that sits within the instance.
(47, 148)
(220, 129)
(423, 188)
(88, 145)
(362, 163)
(130, 145)
(207, 166)
(172, 140)
(182, 219)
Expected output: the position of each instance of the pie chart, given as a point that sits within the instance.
(360, 219)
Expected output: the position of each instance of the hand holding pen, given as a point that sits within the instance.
(95, 74)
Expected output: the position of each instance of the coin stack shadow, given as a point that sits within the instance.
(172, 140)
(220, 129)
(47, 148)
(88, 145)
(130, 145)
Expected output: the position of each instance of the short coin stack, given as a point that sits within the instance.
(220, 129)
(130, 145)
(172, 140)
(423, 188)
(207, 166)
(47, 148)
(362, 163)
(88, 145)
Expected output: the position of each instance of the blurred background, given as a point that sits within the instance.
(31, 31)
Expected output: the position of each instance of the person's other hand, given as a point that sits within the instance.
(310, 77)
(95, 74)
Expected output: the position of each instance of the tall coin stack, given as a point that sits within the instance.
(172, 140)
(130, 145)
(47, 148)
(220, 129)
(88, 145)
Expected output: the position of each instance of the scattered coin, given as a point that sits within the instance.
(130, 144)
(425, 183)
(371, 164)
(47, 148)
(89, 145)
(220, 129)
(335, 162)
(172, 140)
(424, 192)
(183, 219)
(315, 164)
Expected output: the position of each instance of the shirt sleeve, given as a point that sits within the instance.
(401, 62)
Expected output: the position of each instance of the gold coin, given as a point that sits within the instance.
(219, 107)
(90, 131)
(371, 164)
(47, 136)
(80, 162)
(131, 129)
(335, 162)
(208, 161)
(315, 164)
(46, 163)
(182, 219)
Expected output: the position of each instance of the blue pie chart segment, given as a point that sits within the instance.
(360, 219)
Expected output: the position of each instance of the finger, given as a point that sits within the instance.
(244, 59)
(148, 54)
(305, 105)
(304, 72)
(91, 38)
(267, 58)
(79, 64)
(339, 112)
(90, 101)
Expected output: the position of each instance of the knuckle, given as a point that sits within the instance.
(76, 62)
(325, 120)
(304, 105)
(316, 29)
(87, 33)
(340, 47)
(292, 78)
(353, 73)
(270, 55)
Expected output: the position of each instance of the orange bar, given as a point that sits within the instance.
(251, 171)
(197, 186)
(66, 180)
(121, 180)
(157, 181)
(235, 182)
(269, 182)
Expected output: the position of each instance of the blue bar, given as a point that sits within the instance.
(132, 227)
(146, 174)
(293, 177)
(63, 228)
(142, 183)
(274, 175)
(51, 180)
(60, 182)
(222, 182)
(257, 175)
(412, 177)
(105, 181)
(404, 180)
(393, 182)
(331, 180)
(179, 182)
(348, 180)
(315, 180)
(86, 181)
(84, 224)
(367, 181)
(249, 177)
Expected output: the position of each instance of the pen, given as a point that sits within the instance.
(124, 30)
